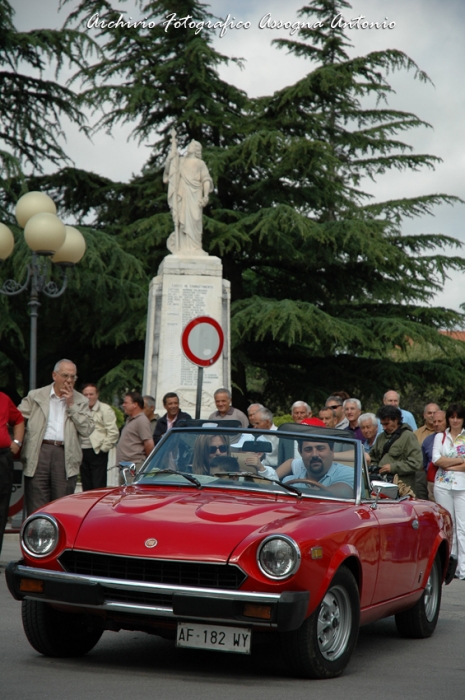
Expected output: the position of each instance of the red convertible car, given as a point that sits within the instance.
(226, 534)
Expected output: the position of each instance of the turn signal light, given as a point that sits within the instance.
(261, 611)
(316, 552)
(30, 585)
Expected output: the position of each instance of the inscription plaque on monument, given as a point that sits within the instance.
(176, 297)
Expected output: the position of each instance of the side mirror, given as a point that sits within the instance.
(384, 488)
(128, 470)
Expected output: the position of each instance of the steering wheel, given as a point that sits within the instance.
(312, 482)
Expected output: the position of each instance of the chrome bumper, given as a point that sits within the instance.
(113, 596)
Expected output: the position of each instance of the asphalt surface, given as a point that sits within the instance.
(135, 666)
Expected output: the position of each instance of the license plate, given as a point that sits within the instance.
(197, 636)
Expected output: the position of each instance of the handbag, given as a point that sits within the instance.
(431, 472)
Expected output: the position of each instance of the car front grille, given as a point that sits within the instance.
(177, 573)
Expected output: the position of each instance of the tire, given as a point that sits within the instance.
(323, 645)
(420, 621)
(55, 633)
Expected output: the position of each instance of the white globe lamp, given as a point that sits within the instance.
(72, 250)
(33, 203)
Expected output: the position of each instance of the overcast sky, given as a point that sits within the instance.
(431, 32)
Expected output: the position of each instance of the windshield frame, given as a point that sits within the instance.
(295, 434)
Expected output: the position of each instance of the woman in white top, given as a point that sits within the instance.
(449, 484)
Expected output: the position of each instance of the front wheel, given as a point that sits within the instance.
(55, 633)
(323, 645)
(421, 620)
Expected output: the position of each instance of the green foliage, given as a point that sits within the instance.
(280, 419)
(120, 416)
(158, 79)
(126, 376)
(109, 288)
(328, 278)
(32, 107)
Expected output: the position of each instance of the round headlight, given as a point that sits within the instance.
(278, 556)
(40, 535)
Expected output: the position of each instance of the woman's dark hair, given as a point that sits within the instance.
(455, 409)
(200, 457)
(389, 412)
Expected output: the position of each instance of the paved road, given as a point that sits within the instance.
(135, 666)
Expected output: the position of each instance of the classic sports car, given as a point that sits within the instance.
(208, 547)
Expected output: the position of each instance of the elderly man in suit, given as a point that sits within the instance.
(56, 416)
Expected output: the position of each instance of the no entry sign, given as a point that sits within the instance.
(202, 341)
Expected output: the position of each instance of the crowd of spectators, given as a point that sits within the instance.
(70, 433)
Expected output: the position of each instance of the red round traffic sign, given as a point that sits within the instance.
(202, 341)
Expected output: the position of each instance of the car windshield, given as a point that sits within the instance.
(305, 463)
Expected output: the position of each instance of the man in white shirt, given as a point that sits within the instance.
(252, 409)
(263, 419)
(300, 410)
(56, 416)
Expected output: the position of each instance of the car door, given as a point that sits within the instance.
(399, 539)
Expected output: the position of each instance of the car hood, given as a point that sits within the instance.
(204, 525)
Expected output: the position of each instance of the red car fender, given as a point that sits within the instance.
(434, 551)
(340, 556)
(442, 540)
(69, 512)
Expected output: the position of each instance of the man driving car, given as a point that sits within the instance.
(316, 465)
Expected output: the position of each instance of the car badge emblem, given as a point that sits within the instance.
(152, 542)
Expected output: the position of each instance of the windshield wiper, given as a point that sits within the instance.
(253, 476)
(190, 478)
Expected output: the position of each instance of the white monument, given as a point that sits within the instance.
(189, 283)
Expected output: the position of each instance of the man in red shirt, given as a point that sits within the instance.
(9, 416)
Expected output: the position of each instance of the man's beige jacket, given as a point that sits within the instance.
(78, 421)
(106, 433)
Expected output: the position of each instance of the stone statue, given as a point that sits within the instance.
(189, 184)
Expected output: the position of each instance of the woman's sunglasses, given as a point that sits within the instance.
(218, 448)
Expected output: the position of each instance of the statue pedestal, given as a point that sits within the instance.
(185, 287)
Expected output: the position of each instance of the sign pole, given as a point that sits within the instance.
(198, 403)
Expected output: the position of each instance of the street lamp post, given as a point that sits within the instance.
(47, 237)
